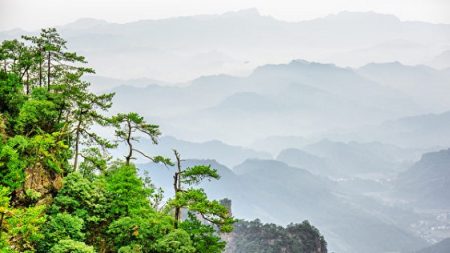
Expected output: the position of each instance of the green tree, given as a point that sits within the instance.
(25, 227)
(61, 226)
(86, 113)
(46, 205)
(177, 241)
(86, 200)
(71, 246)
(130, 124)
(11, 98)
(204, 237)
(52, 56)
(5, 212)
(195, 200)
(126, 192)
(94, 164)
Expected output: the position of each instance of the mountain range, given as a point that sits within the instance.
(427, 182)
(282, 194)
(305, 99)
(183, 48)
(440, 247)
(352, 159)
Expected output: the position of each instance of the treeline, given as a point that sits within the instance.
(60, 191)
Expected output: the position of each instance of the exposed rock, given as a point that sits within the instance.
(255, 236)
(2, 128)
(42, 182)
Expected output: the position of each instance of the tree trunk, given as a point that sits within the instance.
(48, 70)
(1, 224)
(77, 143)
(177, 209)
(28, 82)
(177, 188)
(130, 146)
(40, 70)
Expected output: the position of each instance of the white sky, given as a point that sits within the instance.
(34, 14)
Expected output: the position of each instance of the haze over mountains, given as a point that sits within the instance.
(237, 42)
(279, 193)
(339, 120)
(427, 183)
(304, 99)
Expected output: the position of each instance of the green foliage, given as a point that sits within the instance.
(126, 125)
(94, 163)
(61, 226)
(19, 152)
(12, 164)
(36, 115)
(32, 194)
(49, 150)
(86, 107)
(196, 174)
(126, 192)
(47, 114)
(51, 60)
(139, 232)
(4, 213)
(25, 227)
(11, 96)
(71, 246)
(81, 198)
(195, 200)
(254, 236)
(126, 122)
(177, 241)
(204, 237)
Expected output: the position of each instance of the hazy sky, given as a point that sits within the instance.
(33, 14)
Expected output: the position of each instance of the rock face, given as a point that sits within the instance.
(269, 238)
(254, 236)
(2, 128)
(40, 184)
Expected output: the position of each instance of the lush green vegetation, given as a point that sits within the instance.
(59, 189)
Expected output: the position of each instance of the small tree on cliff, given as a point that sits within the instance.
(128, 125)
(195, 200)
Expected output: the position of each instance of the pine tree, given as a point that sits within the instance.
(130, 124)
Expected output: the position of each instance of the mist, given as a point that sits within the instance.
(340, 118)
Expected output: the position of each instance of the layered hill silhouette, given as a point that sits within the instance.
(282, 194)
(440, 247)
(237, 42)
(304, 99)
(427, 182)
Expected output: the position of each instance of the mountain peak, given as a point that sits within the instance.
(370, 15)
(296, 65)
(85, 23)
(244, 12)
(442, 155)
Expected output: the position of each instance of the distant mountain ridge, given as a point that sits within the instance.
(278, 193)
(229, 155)
(421, 131)
(427, 86)
(336, 159)
(440, 247)
(427, 182)
(313, 97)
(157, 47)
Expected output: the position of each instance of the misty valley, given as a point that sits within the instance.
(235, 133)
